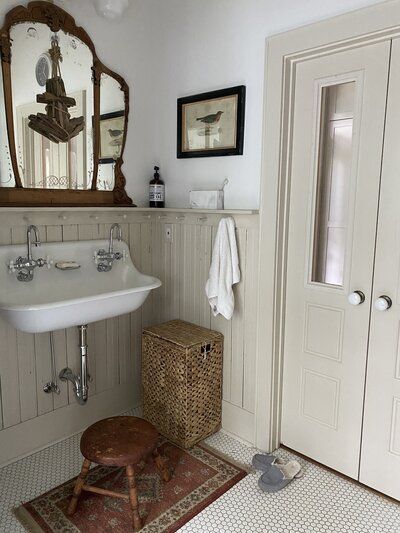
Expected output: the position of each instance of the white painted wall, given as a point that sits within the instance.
(209, 45)
(171, 48)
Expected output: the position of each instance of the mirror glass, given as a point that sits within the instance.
(6, 171)
(52, 91)
(112, 128)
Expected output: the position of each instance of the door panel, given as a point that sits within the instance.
(338, 123)
(380, 453)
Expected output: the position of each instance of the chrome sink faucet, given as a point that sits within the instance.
(26, 265)
(117, 228)
(104, 260)
(32, 229)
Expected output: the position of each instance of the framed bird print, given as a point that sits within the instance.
(112, 127)
(212, 124)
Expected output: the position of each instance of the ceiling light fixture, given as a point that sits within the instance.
(111, 9)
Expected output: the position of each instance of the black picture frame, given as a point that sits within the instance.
(240, 91)
(108, 116)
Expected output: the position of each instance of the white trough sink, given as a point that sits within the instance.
(58, 299)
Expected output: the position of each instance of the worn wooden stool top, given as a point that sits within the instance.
(119, 441)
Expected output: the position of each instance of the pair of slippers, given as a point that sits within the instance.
(276, 473)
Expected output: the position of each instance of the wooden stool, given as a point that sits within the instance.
(122, 441)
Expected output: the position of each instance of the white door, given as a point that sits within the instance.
(380, 452)
(338, 123)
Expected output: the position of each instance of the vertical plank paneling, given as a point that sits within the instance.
(167, 269)
(91, 340)
(157, 269)
(225, 327)
(136, 352)
(70, 232)
(250, 320)
(146, 265)
(27, 375)
(136, 317)
(112, 352)
(60, 353)
(203, 259)
(171, 304)
(115, 345)
(43, 372)
(195, 264)
(97, 340)
(25, 355)
(124, 349)
(99, 354)
(9, 379)
(238, 325)
(124, 332)
(9, 373)
(134, 245)
(55, 234)
(188, 236)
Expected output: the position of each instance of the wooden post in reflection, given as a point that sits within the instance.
(96, 122)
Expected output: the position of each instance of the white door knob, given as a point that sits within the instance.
(383, 303)
(356, 298)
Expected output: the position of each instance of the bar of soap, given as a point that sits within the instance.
(67, 265)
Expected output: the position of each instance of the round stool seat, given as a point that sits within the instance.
(119, 441)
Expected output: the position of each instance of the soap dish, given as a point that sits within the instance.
(67, 265)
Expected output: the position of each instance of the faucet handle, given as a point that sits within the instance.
(11, 267)
(44, 262)
(97, 256)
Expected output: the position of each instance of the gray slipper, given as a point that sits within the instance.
(264, 461)
(279, 476)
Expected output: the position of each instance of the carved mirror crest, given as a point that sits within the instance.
(63, 114)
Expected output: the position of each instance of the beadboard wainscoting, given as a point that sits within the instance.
(175, 246)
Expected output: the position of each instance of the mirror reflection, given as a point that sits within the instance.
(52, 90)
(6, 171)
(112, 128)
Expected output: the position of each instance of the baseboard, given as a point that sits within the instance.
(238, 422)
(33, 435)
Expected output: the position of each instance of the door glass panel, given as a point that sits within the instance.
(333, 183)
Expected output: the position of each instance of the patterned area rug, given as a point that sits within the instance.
(200, 477)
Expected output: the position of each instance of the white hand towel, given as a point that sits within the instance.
(224, 270)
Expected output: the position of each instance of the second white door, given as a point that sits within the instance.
(338, 125)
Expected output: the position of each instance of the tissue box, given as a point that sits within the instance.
(207, 199)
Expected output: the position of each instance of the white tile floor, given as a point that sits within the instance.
(320, 502)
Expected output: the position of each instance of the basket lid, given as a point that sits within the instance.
(183, 334)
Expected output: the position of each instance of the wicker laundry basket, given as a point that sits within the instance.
(182, 380)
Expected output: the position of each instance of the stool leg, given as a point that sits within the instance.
(162, 466)
(133, 498)
(78, 487)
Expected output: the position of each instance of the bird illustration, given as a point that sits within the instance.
(115, 133)
(211, 119)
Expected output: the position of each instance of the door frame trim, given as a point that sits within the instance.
(283, 52)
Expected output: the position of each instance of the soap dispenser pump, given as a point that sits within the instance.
(156, 190)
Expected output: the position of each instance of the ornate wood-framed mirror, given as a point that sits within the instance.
(63, 114)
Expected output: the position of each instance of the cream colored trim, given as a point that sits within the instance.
(284, 51)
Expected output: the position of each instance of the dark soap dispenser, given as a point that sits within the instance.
(156, 190)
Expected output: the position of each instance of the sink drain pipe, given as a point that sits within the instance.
(79, 382)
